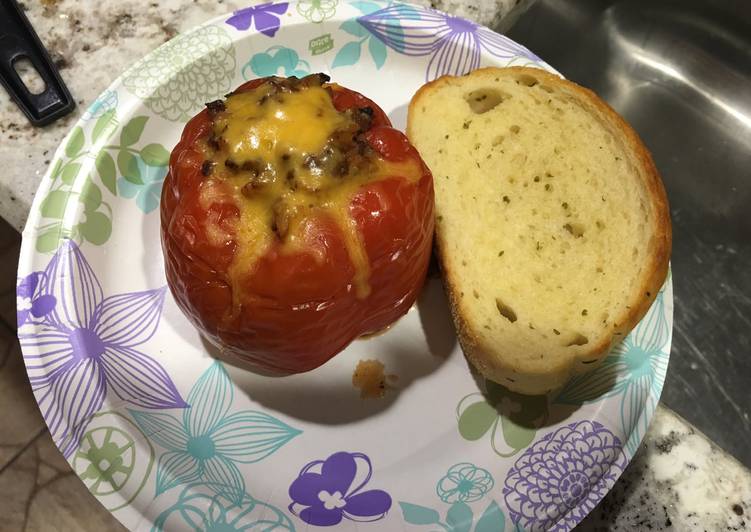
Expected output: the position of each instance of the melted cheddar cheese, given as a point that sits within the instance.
(295, 123)
(282, 155)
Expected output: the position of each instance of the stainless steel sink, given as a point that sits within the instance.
(680, 72)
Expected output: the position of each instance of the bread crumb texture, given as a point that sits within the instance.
(548, 224)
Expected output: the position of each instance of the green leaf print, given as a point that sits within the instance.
(419, 515)
(74, 179)
(476, 420)
(353, 27)
(104, 126)
(517, 436)
(366, 8)
(459, 517)
(492, 519)
(91, 197)
(49, 238)
(348, 55)
(75, 142)
(128, 166)
(69, 173)
(54, 204)
(56, 168)
(377, 51)
(155, 155)
(514, 418)
(97, 228)
(132, 131)
(527, 410)
(521, 416)
(105, 165)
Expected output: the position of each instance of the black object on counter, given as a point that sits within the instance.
(18, 41)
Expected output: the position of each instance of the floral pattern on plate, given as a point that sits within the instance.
(561, 477)
(176, 79)
(77, 182)
(511, 419)
(200, 508)
(276, 61)
(114, 459)
(85, 347)
(148, 192)
(461, 486)
(634, 370)
(30, 301)
(316, 11)
(351, 52)
(266, 17)
(115, 374)
(454, 45)
(464, 482)
(327, 491)
(208, 441)
(106, 101)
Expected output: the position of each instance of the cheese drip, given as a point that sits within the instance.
(284, 153)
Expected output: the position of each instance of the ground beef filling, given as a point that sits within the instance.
(345, 154)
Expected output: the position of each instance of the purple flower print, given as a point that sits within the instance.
(86, 345)
(561, 477)
(29, 302)
(455, 45)
(266, 17)
(328, 490)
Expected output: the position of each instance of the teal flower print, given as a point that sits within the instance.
(200, 508)
(463, 485)
(464, 482)
(350, 53)
(148, 192)
(635, 369)
(276, 61)
(207, 442)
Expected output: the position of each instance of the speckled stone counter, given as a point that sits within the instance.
(93, 42)
(678, 480)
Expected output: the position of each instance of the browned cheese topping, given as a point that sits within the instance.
(287, 153)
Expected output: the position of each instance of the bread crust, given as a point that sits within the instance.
(527, 380)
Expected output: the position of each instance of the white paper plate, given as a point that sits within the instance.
(168, 438)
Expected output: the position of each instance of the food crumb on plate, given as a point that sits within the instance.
(370, 379)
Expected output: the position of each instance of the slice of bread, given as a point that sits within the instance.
(553, 230)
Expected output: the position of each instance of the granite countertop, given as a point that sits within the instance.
(92, 43)
(678, 479)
